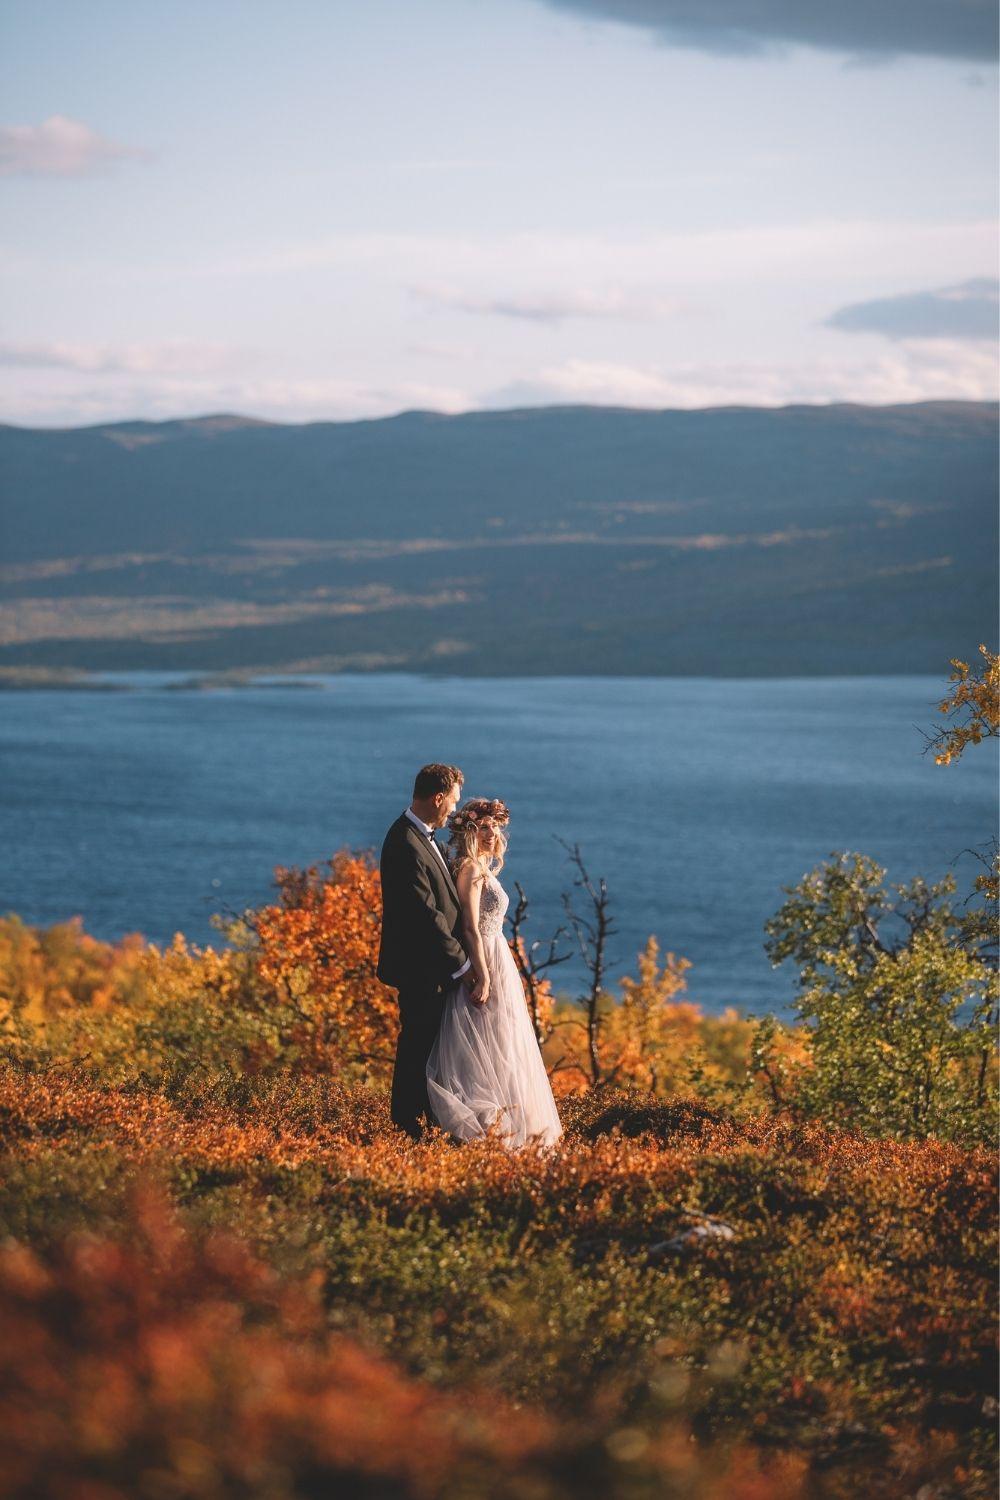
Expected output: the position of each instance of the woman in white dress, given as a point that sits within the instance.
(485, 1068)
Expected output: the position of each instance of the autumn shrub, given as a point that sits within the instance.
(652, 1037)
(181, 1018)
(48, 974)
(317, 947)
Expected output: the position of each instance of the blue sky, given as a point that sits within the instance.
(308, 209)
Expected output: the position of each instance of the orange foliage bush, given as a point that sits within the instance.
(44, 971)
(318, 946)
(161, 1366)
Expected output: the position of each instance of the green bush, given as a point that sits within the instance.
(898, 996)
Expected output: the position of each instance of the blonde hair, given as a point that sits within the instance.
(463, 838)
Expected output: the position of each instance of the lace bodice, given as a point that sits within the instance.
(493, 903)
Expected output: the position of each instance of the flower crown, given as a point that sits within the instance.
(475, 813)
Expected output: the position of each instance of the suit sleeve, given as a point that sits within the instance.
(411, 872)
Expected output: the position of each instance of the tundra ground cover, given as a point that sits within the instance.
(845, 1330)
(223, 1273)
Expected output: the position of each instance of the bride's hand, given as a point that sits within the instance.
(479, 991)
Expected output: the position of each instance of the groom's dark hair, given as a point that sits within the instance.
(436, 778)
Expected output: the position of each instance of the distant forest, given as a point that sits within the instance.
(734, 541)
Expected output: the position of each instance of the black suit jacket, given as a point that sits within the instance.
(421, 913)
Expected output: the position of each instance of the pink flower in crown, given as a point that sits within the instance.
(476, 812)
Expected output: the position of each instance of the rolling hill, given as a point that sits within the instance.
(733, 541)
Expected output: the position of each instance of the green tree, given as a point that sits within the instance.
(898, 995)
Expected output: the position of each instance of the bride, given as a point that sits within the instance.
(485, 1067)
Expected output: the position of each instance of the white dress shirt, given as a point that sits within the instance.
(428, 830)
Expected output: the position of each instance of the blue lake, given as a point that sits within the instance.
(696, 798)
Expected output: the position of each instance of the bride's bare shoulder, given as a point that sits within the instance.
(468, 873)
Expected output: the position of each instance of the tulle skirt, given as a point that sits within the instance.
(485, 1068)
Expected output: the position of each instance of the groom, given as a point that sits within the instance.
(421, 951)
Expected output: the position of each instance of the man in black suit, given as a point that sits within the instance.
(421, 951)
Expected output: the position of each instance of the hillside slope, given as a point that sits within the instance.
(803, 539)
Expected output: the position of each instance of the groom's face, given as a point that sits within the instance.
(445, 804)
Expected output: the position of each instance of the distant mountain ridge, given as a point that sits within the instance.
(731, 540)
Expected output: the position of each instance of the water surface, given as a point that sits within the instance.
(696, 798)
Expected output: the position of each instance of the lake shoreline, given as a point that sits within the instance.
(68, 679)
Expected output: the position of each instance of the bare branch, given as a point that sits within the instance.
(530, 966)
(592, 933)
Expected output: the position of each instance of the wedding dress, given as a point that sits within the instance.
(485, 1066)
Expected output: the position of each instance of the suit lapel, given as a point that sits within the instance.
(438, 860)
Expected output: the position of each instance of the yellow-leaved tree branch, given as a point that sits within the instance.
(975, 699)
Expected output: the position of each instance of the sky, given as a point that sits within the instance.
(305, 210)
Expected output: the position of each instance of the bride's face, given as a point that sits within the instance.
(487, 836)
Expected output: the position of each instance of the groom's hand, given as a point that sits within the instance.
(479, 991)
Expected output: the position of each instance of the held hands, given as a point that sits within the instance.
(479, 989)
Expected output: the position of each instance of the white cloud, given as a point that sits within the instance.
(60, 147)
(548, 280)
(919, 371)
(64, 400)
(916, 371)
(552, 306)
(174, 357)
(836, 250)
(315, 400)
(437, 349)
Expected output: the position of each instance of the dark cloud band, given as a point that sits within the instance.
(964, 29)
(966, 311)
